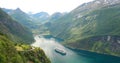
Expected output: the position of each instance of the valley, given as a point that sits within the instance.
(90, 33)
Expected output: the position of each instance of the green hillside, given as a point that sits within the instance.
(104, 21)
(7, 45)
(14, 30)
(13, 43)
(96, 30)
(22, 18)
(11, 53)
(26, 20)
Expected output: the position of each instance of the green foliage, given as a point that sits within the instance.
(10, 53)
(33, 54)
(7, 51)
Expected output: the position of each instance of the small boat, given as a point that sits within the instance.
(60, 51)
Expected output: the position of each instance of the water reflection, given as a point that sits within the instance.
(48, 45)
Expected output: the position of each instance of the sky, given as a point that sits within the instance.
(35, 6)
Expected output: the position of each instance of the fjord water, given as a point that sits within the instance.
(48, 45)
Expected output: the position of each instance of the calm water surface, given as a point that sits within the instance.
(48, 45)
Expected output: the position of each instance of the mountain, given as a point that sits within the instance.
(44, 17)
(56, 16)
(13, 29)
(84, 8)
(21, 17)
(13, 43)
(40, 17)
(93, 26)
(37, 22)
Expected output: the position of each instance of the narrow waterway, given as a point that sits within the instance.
(49, 45)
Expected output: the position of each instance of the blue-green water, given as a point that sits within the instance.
(72, 56)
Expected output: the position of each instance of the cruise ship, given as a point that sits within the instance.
(60, 51)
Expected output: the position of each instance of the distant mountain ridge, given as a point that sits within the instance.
(21, 17)
(34, 22)
(40, 17)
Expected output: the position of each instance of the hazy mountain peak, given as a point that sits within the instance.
(41, 14)
(56, 15)
(18, 10)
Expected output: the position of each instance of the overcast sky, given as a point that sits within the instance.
(35, 6)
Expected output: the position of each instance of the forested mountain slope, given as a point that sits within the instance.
(13, 40)
(93, 26)
(21, 17)
(19, 53)
(13, 29)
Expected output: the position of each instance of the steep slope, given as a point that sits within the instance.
(21, 17)
(92, 26)
(13, 29)
(6, 46)
(10, 53)
(12, 37)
